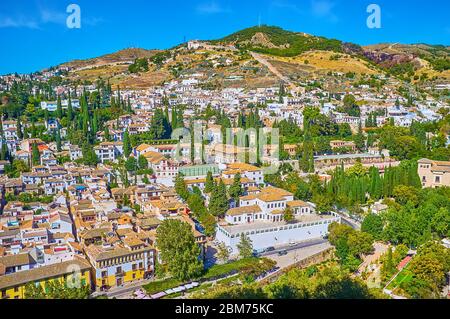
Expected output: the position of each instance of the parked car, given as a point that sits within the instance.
(270, 249)
(257, 252)
(282, 253)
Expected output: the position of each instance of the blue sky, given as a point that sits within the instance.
(34, 34)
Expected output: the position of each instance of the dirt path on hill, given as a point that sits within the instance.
(258, 57)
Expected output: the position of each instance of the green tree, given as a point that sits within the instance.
(222, 253)
(56, 290)
(209, 184)
(388, 267)
(35, 155)
(359, 139)
(107, 134)
(429, 269)
(360, 243)
(404, 194)
(373, 224)
(178, 249)
(142, 162)
(307, 159)
(131, 164)
(58, 140)
(70, 109)
(245, 247)
(159, 126)
(19, 128)
(235, 190)
(4, 151)
(323, 202)
(89, 156)
(218, 204)
(180, 187)
(59, 108)
(288, 215)
(126, 144)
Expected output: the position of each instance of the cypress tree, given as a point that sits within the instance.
(95, 123)
(4, 151)
(107, 135)
(192, 152)
(236, 189)
(19, 128)
(218, 204)
(180, 120)
(209, 184)
(69, 109)
(59, 108)
(85, 118)
(58, 140)
(166, 113)
(173, 120)
(126, 144)
(35, 155)
(129, 105)
(119, 98)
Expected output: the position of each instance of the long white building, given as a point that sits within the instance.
(261, 218)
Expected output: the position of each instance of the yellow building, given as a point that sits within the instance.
(433, 173)
(121, 264)
(12, 286)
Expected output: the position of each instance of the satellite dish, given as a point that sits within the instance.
(222, 166)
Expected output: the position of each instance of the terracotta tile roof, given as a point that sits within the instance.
(59, 269)
(244, 210)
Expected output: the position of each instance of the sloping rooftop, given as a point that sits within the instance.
(59, 269)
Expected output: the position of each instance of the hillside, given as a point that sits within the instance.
(431, 61)
(125, 55)
(264, 56)
(276, 41)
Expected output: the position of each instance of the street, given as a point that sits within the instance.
(298, 252)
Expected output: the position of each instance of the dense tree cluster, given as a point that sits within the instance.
(351, 245)
(197, 205)
(358, 184)
(350, 106)
(329, 282)
(55, 290)
(139, 65)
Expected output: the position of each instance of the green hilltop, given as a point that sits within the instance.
(277, 41)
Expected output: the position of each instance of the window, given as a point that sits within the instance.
(437, 179)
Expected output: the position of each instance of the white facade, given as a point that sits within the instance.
(265, 234)
(261, 218)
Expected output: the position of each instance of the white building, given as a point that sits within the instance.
(75, 152)
(51, 106)
(109, 151)
(251, 172)
(261, 218)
